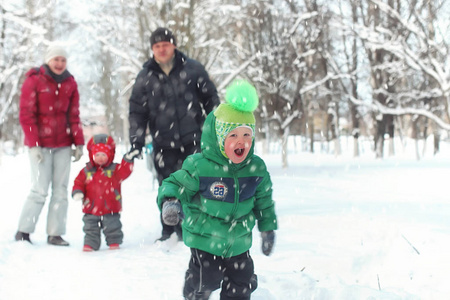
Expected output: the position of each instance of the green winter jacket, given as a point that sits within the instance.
(221, 201)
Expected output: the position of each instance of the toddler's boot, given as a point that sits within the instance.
(87, 248)
(114, 247)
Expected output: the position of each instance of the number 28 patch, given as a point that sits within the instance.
(218, 190)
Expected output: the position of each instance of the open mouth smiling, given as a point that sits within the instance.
(239, 151)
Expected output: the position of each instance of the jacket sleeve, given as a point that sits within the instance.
(124, 169)
(73, 116)
(28, 112)
(182, 184)
(264, 209)
(79, 183)
(208, 91)
(138, 113)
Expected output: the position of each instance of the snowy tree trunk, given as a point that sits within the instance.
(379, 138)
(417, 147)
(311, 134)
(355, 131)
(355, 146)
(354, 66)
(390, 121)
(332, 126)
(425, 135)
(337, 141)
(284, 148)
(400, 129)
(436, 141)
(379, 146)
(391, 146)
(106, 86)
(415, 136)
(337, 147)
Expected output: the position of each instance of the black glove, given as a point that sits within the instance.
(130, 156)
(268, 239)
(133, 152)
(171, 212)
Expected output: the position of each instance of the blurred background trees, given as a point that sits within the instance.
(370, 69)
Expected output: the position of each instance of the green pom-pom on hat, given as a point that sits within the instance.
(242, 96)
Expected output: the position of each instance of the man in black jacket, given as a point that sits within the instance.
(171, 96)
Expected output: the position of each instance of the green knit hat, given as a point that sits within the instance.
(241, 100)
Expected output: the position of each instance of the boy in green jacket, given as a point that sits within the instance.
(222, 193)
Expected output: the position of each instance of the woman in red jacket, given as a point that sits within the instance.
(98, 185)
(49, 116)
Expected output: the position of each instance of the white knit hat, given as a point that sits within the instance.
(54, 51)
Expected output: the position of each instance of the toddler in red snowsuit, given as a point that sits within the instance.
(98, 186)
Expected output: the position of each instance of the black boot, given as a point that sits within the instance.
(57, 241)
(164, 237)
(22, 236)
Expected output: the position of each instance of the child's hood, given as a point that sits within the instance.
(210, 144)
(103, 143)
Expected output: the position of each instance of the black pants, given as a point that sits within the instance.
(167, 161)
(207, 272)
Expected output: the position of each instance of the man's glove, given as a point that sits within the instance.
(268, 239)
(36, 153)
(78, 197)
(171, 212)
(77, 153)
(130, 156)
(138, 149)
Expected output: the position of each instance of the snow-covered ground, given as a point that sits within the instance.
(348, 229)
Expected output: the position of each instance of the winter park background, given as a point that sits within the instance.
(349, 228)
(361, 222)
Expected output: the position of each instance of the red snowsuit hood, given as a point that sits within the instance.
(101, 143)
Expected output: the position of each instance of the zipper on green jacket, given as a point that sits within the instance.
(233, 212)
